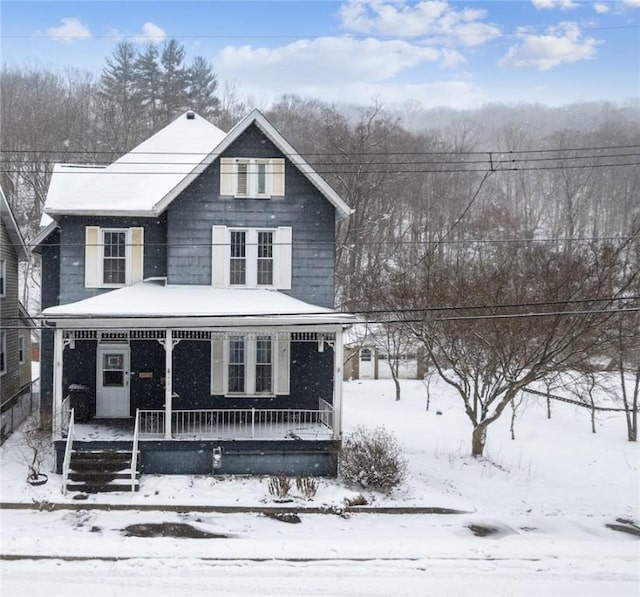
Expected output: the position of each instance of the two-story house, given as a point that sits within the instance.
(15, 323)
(189, 292)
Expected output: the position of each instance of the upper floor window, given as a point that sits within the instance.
(252, 177)
(21, 355)
(3, 277)
(113, 256)
(252, 257)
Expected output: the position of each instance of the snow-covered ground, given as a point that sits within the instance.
(549, 493)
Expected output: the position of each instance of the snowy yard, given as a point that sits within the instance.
(550, 494)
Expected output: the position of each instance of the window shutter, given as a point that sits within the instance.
(92, 252)
(283, 254)
(219, 278)
(136, 236)
(282, 366)
(218, 376)
(277, 182)
(227, 168)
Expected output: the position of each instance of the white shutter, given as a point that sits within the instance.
(219, 276)
(218, 368)
(277, 181)
(136, 241)
(282, 366)
(92, 253)
(227, 171)
(283, 252)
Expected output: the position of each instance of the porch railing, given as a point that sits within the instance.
(134, 452)
(64, 418)
(238, 423)
(67, 451)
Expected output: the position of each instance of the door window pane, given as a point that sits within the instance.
(112, 370)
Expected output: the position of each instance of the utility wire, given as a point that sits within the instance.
(337, 154)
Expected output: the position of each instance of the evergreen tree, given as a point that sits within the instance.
(174, 91)
(148, 84)
(121, 109)
(202, 87)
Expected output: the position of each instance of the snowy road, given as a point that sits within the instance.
(164, 578)
(86, 552)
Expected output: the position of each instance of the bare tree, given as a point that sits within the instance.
(485, 343)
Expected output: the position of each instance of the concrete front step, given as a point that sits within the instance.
(102, 487)
(93, 471)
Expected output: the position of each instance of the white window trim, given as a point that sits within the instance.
(3, 276)
(3, 349)
(231, 169)
(251, 258)
(280, 367)
(21, 348)
(94, 256)
(250, 343)
(127, 257)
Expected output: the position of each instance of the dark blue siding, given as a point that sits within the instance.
(312, 218)
(72, 241)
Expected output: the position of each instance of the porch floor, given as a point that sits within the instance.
(122, 430)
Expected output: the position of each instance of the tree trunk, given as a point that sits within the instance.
(396, 381)
(478, 438)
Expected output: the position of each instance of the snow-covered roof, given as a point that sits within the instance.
(152, 300)
(144, 181)
(12, 228)
(137, 181)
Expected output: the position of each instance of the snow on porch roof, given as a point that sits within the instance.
(150, 301)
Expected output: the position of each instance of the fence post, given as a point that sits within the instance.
(253, 421)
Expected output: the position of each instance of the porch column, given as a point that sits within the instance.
(56, 414)
(338, 363)
(168, 382)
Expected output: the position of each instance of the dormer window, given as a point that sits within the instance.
(252, 178)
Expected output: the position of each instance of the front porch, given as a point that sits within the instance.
(211, 424)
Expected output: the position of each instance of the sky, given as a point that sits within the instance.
(460, 54)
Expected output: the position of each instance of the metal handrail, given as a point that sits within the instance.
(67, 452)
(134, 451)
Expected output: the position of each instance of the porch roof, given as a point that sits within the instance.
(153, 304)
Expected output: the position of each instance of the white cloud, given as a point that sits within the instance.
(329, 60)
(549, 4)
(71, 29)
(343, 69)
(430, 18)
(634, 3)
(601, 8)
(561, 44)
(151, 33)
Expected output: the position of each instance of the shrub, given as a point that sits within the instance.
(307, 486)
(279, 486)
(372, 458)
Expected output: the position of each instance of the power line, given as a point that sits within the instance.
(385, 171)
(422, 37)
(406, 310)
(392, 243)
(338, 154)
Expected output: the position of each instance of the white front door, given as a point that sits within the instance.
(112, 395)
